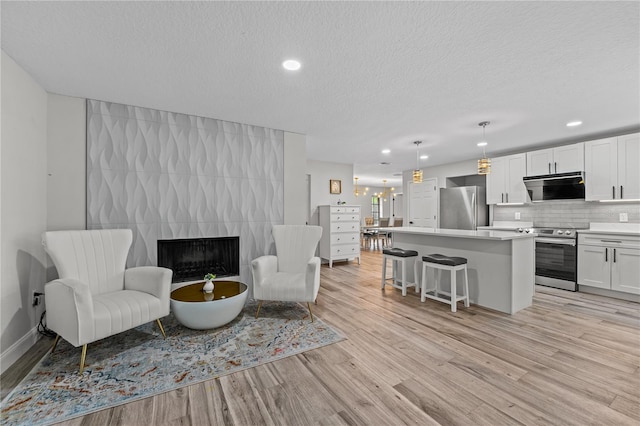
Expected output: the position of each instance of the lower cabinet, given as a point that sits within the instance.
(609, 261)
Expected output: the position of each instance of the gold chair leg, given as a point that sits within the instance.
(310, 313)
(83, 357)
(258, 311)
(161, 328)
(55, 343)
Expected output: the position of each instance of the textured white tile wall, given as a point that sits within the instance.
(574, 213)
(167, 175)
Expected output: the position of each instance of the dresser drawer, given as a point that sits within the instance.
(346, 209)
(345, 217)
(345, 227)
(345, 238)
(346, 250)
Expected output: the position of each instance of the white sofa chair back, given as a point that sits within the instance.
(295, 245)
(97, 258)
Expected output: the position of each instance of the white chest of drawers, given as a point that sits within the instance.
(340, 233)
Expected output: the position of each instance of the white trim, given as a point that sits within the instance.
(19, 348)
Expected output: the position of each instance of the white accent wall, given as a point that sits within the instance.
(295, 182)
(321, 172)
(23, 214)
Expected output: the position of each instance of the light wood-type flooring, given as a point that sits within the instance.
(570, 359)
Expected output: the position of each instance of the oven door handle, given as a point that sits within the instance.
(559, 241)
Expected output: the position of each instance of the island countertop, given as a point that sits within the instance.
(460, 233)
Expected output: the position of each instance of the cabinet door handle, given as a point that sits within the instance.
(502, 197)
(621, 193)
(555, 167)
(606, 254)
(507, 197)
(613, 189)
(612, 241)
(614, 255)
(549, 168)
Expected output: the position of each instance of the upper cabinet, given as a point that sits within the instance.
(504, 183)
(611, 168)
(562, 159)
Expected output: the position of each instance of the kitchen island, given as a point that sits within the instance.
(501, 264)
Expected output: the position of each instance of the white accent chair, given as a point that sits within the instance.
(95, 297)
(293, 275)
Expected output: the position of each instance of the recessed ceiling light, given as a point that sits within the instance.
(574, 123)
(482, 143)
(386, 151)
(424, 157)
(291, 65)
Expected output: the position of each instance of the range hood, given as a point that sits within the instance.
(559, 186)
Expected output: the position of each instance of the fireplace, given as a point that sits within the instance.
(191, 259)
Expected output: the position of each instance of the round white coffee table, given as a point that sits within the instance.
(196, 309)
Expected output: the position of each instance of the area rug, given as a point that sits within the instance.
(138, 363)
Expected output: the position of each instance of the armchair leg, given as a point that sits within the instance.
(258, 310)
(161, 328)
(310, 313)
(55, 343)
(83, 357)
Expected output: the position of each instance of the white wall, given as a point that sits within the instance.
(24, 207)
(321, 172)
(295, 184)
(66, 163)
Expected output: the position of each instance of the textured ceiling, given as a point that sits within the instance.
(374, 75)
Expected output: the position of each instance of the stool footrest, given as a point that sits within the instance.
(444, 299)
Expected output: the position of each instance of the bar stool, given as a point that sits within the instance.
(446, 263)
(399, 255)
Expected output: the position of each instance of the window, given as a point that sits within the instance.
(375, 209)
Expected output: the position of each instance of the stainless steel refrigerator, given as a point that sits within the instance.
(464, 207)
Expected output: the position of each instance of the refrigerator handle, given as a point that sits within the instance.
(474, 210)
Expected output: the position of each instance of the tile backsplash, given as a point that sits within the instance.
(571, 213)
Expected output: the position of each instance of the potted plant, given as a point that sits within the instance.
(208, 285)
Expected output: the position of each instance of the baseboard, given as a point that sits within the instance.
(19, 348)
(610, 293)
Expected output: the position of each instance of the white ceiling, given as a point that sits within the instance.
(374, 75)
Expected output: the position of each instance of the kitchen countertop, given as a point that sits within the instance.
(460, 233)
(631, 229)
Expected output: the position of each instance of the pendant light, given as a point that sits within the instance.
(484, 164)
(357, 192)
(417, 173)
(384, 192)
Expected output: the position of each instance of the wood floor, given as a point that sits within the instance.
(571, 358)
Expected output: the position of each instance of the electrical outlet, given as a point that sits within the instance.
(624, 217)
(35, 300)
(517, 215)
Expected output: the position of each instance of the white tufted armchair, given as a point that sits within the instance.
(95, 297)
(293, 275)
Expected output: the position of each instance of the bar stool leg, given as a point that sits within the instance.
(423, 286)
(415, 275)
(384, 271)
(454, 291)
(404, 277)
(437, 275)
(466, 287)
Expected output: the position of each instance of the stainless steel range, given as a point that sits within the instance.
(556, 257)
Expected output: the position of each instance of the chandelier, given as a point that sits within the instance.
(484, 164)
(385, 191)
(357, 191)
(417, 173)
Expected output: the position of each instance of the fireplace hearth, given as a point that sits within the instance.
(192, 258)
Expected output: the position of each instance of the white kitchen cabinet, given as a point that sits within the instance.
(609, 261)
(340, 233)
(504, 183)
(611, 168)
(562, 159)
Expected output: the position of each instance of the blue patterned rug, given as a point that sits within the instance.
(139, 363)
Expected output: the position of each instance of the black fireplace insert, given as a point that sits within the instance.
(192, 258)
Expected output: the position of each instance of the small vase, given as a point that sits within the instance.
(208, 287)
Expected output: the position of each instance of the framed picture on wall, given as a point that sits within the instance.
(335, 186)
